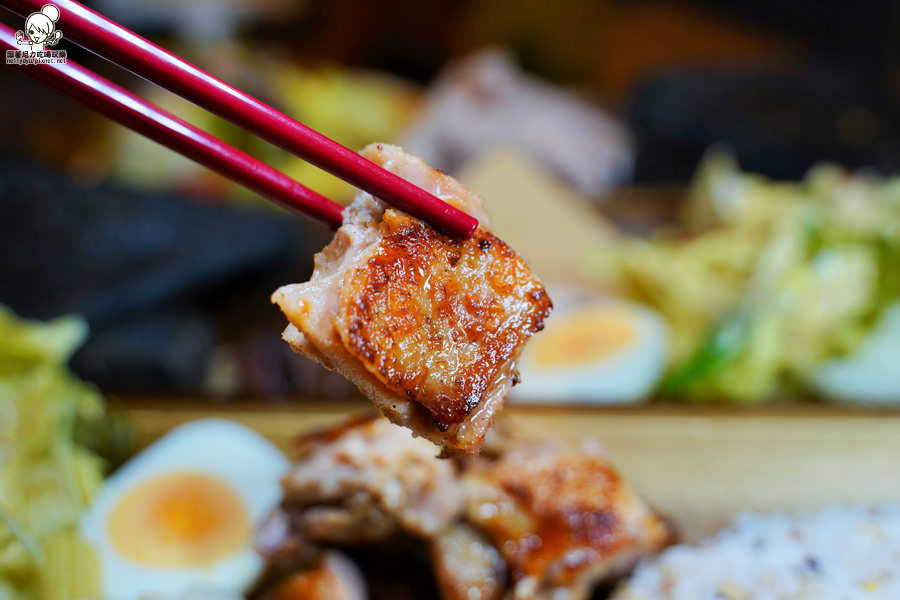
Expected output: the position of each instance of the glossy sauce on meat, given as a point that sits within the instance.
(559, 515)
(435, 318)
(427, 326)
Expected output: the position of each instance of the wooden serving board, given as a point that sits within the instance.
(697, 466)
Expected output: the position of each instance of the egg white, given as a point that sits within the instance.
(250, 464)
(626, 375)
(870, 375)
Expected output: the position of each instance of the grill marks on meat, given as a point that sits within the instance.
(427, 326)
(561, 517)
(534, 521)
(437, 319)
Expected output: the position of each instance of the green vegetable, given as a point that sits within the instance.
(721, 348)
(47, 477)
(765, 282)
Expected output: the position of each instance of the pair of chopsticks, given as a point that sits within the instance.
(113, 42)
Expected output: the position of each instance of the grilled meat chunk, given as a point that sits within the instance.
(527, 520)
(562, 518)
(367, 481)
(427, 326)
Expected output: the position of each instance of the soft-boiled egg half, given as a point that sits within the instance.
(607, 351)
(869, 375)
(180, 517)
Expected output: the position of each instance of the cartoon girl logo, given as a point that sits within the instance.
(40, 28)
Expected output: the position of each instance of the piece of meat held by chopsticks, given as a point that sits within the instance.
(429, 327)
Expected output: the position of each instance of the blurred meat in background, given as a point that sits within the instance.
(485, 102)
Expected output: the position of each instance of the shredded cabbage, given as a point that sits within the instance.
(766, 281)
(47, 478)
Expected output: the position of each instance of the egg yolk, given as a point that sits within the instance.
(585, 337)
(183, 519)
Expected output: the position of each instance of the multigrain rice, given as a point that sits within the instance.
(840, 553)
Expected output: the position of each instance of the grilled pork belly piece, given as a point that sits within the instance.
(466, 565)
(365, 482)
(427, 326)
(561, 517)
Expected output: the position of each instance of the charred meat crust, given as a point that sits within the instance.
(428, 327)
(559, 515)
(530, 519)
(435, 319)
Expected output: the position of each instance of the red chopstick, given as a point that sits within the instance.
(145, 59)
(151, 121)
